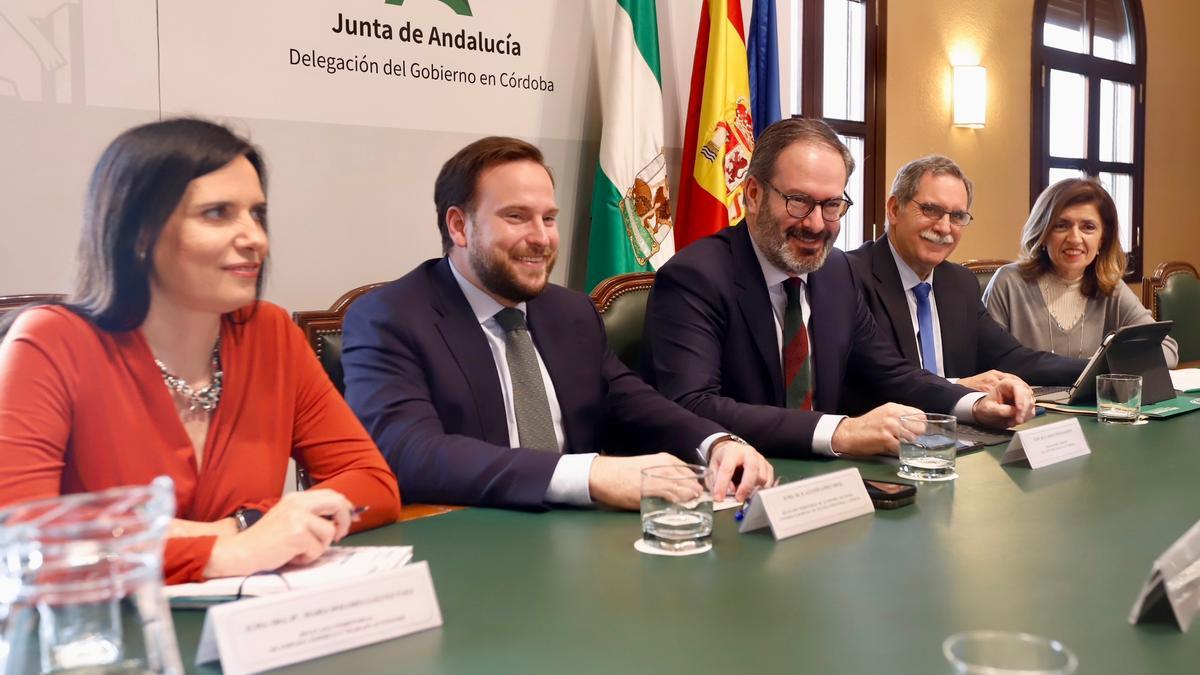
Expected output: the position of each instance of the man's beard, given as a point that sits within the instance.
(496, 274)
(774, 245)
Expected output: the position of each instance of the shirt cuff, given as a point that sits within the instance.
(822, 440)
(569, 484)
(705, 448)
(963, 409)
(952, 380)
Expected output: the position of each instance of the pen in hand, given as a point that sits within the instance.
(355, 513)
(741, 512)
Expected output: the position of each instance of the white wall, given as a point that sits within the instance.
(352, 156)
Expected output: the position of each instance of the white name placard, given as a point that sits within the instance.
(1172, 593)
(795, 508)
(1047, 444)
(250, 636)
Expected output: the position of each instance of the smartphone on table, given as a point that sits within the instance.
(886, 494)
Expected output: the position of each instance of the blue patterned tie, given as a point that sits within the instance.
(925, 324)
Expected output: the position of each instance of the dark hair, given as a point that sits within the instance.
(788, 131)
(1106, 271)
(459, 177)
(140, 179)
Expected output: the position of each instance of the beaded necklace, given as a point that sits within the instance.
(1047, 284)
(206, 399)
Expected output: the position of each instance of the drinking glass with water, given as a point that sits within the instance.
(931, 453)
(81, 584)
(1118, 398)
(677, 507)
(998, 652)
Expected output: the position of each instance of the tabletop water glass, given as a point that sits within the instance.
(997, 652)
(1118, 398)
(677, 507)
(931, 454)
(81, 584)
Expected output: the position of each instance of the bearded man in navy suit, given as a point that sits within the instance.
(484, 384)
(757, 327)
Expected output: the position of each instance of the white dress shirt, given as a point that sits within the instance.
(909, 280)
(822, 441)
(569, 483)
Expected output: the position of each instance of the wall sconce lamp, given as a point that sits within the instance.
(970, 96)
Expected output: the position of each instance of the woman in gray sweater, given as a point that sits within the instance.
(1065, 292)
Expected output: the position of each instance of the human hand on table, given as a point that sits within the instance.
(617, 481)
(729, 455)
(298, 529)
(878, 432)
(1008, 404)
(985, 381)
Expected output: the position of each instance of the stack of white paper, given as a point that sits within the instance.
(1186, 379)
(337, 564)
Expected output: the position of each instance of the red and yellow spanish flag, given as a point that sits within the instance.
(719, 134)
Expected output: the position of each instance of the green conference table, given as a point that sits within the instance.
(1060, 552)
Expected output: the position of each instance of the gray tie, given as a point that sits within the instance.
(535, 427)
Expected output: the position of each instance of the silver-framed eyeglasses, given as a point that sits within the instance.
(800, 205)
(935, 213)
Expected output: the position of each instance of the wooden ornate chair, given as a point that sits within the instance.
(1173, 293)
(11, 302)
(621, 301)
(984, 268)
(323, 328)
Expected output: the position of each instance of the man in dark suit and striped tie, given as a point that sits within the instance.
(758, 326)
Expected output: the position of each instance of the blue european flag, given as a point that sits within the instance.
(762, 49)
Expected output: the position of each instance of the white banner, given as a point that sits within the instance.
(508, 67)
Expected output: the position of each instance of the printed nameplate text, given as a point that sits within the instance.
(795, 508)
(1047, 444)
(250, 636)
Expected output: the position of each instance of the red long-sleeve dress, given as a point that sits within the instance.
(82, 409)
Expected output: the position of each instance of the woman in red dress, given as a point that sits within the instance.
(164, 361)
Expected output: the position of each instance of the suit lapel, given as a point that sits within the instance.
(952, 311)
(755, 305)
(891, 294)
(554, 340)
(558, 344)
(467, 344)
(823, 329)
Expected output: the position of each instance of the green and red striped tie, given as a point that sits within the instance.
(797, 366)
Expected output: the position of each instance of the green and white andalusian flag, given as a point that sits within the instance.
(631, 209)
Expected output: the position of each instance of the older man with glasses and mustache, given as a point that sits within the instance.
(928, 307)
(758, 327)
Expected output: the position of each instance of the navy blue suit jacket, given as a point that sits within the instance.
(710, 345)
(972, 341)
(421, 377)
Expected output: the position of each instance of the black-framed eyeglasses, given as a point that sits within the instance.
(800, 205)
(935, 213)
